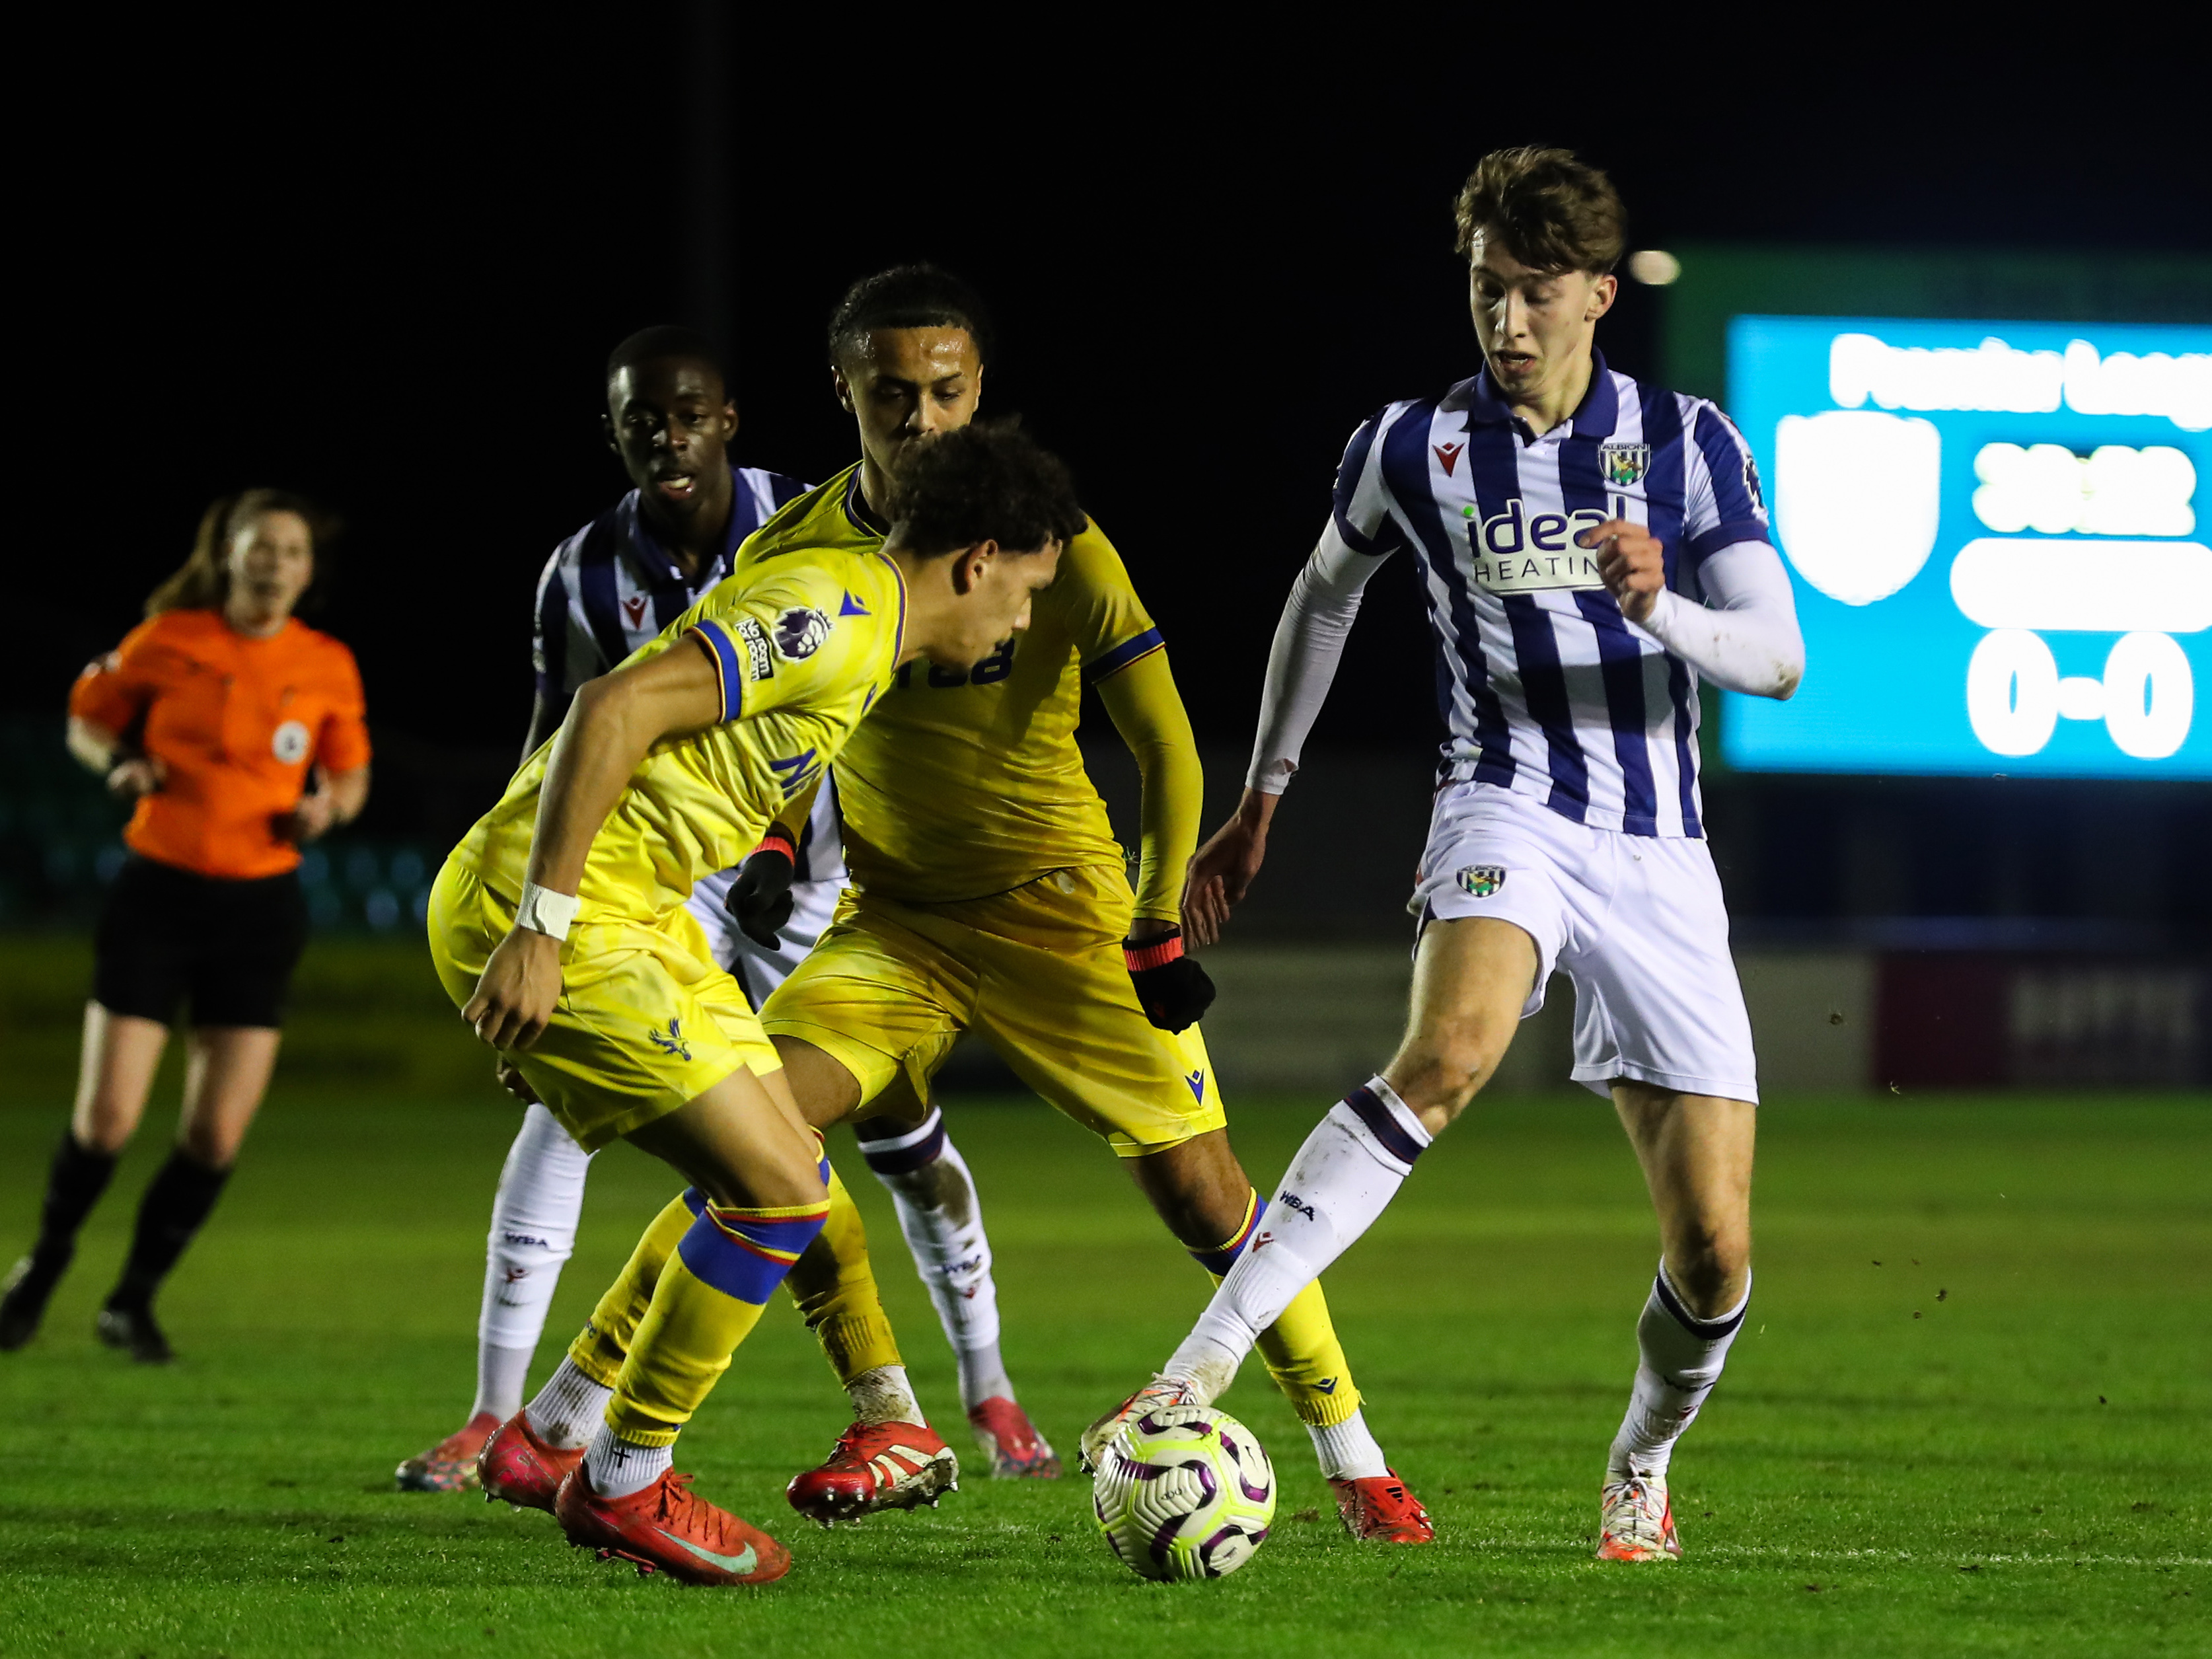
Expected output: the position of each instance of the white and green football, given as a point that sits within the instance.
(1184, 1492)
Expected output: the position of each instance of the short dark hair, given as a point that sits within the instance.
(661, 341)
(909, 296)
(1551, 210)
(986, 481)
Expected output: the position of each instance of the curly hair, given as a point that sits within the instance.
(985, 482)
(1551, 210)
(909, 296)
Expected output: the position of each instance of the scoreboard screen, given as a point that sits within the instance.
(1997, 534)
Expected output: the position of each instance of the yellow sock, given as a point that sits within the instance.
(834, 1287)
(604, 1342)
(1300, 1348)
(712, 1288)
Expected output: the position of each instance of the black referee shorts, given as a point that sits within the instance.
(167, 935)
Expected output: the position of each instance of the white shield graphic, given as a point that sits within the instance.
(1856, 499)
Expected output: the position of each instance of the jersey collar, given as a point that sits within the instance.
(1595, 416)
(659, 569)
(856, 506)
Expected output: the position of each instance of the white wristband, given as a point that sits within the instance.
(544, 911)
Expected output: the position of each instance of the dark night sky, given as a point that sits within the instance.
(388, 272)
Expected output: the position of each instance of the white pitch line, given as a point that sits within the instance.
(1960, 1558)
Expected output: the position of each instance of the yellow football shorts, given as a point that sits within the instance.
(645, 1020)
(1037, 972)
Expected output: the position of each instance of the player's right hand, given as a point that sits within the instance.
(517, 991)
(139, 775)
(1222, 870)
(760, 898)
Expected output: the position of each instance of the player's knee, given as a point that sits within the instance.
(213, 1146)
(1708, 1264)
(106, 1133)
(1441, 1072)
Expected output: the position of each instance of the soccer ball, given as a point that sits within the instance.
(1185, 1491)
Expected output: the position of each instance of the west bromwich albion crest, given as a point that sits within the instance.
(1625, 464)
(1481, 880)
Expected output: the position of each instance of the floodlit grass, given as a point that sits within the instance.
(1967, 1414)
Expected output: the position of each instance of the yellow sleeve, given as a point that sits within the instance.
(784, 641)
(1145, 708)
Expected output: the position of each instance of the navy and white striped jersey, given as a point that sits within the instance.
(1546, 688)
(612, 586)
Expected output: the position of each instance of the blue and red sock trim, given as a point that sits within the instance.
(1219, 1261)
(745, 1252)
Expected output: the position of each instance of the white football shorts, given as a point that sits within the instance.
(813, 902)
(1636, 923)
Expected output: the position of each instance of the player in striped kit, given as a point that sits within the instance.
(606, 591)
(1589, 548)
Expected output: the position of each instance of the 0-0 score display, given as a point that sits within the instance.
(1993, 533)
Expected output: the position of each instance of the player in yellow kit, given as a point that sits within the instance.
(558, 925)
(989, 896)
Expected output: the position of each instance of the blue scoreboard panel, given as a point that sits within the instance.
(1994, 532)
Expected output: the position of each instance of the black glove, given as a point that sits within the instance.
(1172, 989)
(760, 898)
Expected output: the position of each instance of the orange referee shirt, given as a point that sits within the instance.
(235, 722)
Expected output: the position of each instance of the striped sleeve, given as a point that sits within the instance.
(549, 634)
(1724, 504)
(1362, 502)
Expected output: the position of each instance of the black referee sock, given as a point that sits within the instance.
(79, 1176)
(176, 1201)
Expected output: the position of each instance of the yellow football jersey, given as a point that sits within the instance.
(959, 786)
(804, 646)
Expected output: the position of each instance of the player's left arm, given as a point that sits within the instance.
(1746, 637)
(1142, 701)
(612, 726)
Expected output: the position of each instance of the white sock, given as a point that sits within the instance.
(884, 1395)
(1680, 1361)
(616, 1468)
(533, 1232)
(943, 1222)
(1346, 1451)
(1344, 1175)
(501, 1373)
(570, 1408)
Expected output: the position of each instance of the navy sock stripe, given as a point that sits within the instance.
(1382, 1124)
(1707, 1330)
(905, 1160)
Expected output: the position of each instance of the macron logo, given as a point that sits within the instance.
(1197, 1081)
(1447, 456)
(634, 607)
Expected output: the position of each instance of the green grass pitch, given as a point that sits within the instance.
(1967, 1414)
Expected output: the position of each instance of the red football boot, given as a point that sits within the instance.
(1011, 1441)
(450, 1465)
(874, 1467)
(517, 1466)
(668, 1528)
(1376, 1509)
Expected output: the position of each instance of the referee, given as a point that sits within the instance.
(215, 716)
